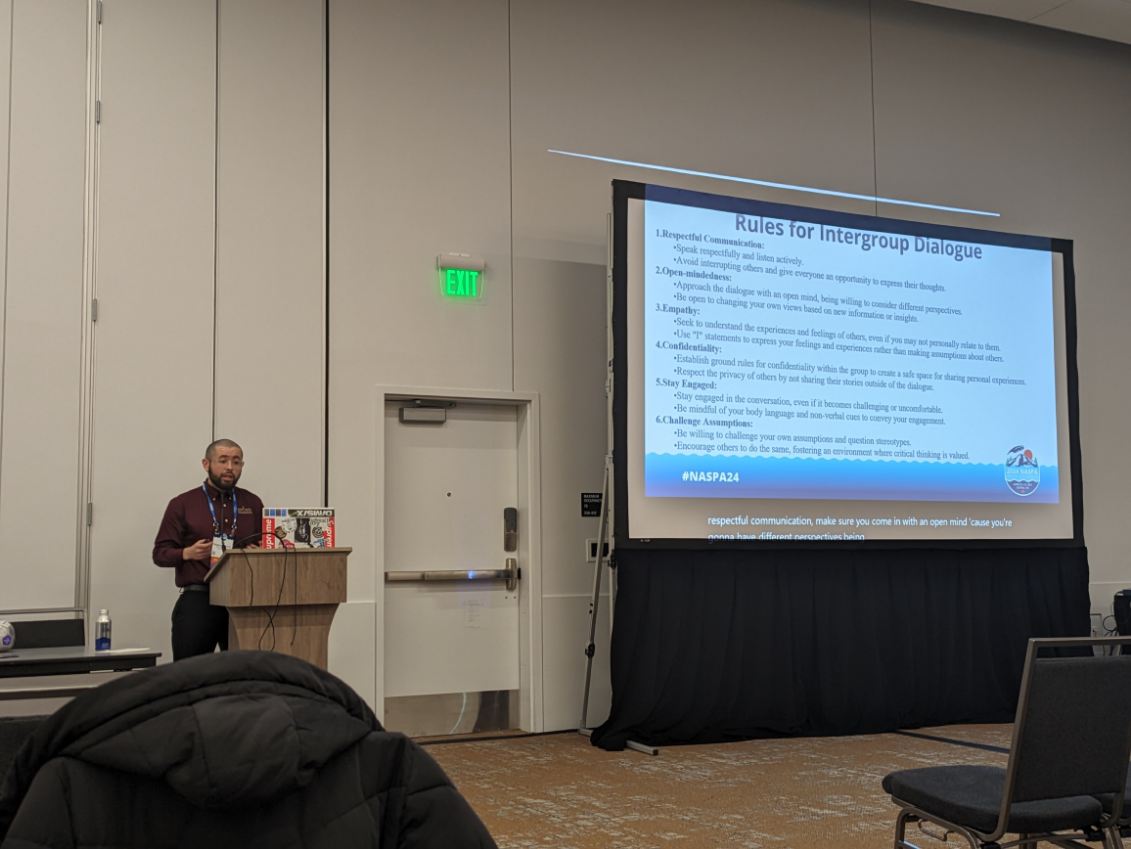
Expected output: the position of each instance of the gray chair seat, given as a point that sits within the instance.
(972, 795)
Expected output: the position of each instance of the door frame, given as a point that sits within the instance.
(529, 457)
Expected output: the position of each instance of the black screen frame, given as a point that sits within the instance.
(624, 191)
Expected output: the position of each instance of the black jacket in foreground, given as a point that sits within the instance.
(236, 749)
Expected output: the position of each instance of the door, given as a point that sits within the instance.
(452, 647)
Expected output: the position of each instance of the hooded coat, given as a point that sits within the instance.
(236, 749)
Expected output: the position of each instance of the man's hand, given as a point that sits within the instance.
(199, 550)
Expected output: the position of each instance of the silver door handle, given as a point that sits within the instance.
(511, 574)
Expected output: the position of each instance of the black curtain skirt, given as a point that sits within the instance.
(710, 646)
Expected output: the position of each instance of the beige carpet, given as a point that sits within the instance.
(559, 791)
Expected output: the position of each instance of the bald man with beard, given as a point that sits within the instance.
(198, 527)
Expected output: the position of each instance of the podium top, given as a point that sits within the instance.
(265, 554)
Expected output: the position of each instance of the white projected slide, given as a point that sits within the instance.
(794, 374)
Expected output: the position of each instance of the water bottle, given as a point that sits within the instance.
(7, 635)
(102, 631)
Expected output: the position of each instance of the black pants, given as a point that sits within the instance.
(198, 627)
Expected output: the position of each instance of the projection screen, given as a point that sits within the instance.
(787, 375)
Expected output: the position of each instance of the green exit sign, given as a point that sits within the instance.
(462, 283)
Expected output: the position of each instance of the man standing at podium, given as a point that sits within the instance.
(198, 527)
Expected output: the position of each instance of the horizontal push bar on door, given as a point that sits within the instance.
(511, 575)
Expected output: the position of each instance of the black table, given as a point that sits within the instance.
(67, 660)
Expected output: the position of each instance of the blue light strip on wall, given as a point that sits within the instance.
(769, 184)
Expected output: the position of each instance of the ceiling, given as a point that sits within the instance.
(1107, 19)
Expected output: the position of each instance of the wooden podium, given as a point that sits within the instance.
(280, 599)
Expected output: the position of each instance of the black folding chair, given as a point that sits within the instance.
(1070, 750)
(1107, 800)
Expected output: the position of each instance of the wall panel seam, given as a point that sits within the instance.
(7, 225)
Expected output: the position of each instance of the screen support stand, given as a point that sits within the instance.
(594, 604)
(603, 535)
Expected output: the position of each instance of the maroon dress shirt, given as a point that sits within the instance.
(187, 520)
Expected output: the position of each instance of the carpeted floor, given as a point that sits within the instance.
(559, 791)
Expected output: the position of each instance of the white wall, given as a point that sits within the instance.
(418, 167)
(42, 341)
(153, 276)
(212, 253)
(1034, 126)
(270, 252)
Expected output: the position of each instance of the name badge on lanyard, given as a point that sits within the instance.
(220, 544)
(221, 541)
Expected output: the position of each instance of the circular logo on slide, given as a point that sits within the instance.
(1022, 474)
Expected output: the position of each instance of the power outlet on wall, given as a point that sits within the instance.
(591, 550)
(1097, 623)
